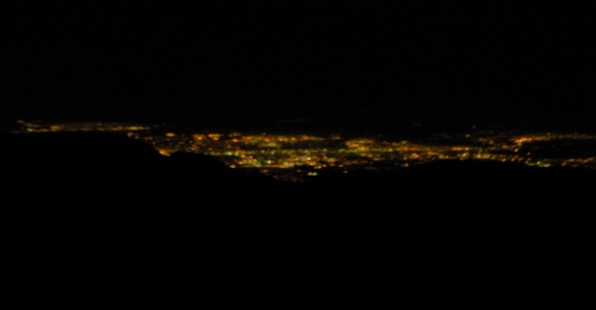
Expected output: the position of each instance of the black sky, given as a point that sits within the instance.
(450, 63)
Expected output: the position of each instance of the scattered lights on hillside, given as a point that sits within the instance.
(301, 156)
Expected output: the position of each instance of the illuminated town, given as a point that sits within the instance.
(299, 157)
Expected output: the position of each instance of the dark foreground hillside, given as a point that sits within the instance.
(99, 220)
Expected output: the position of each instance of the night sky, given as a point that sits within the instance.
(448, 63)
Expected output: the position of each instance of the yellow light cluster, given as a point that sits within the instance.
(298, 156)
(81, 126)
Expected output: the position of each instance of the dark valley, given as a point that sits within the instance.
(99, 219)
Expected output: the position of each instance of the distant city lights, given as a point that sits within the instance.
(298, 157)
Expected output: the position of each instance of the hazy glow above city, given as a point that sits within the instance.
(298, 157)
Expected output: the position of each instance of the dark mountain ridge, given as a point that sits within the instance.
(97, 219)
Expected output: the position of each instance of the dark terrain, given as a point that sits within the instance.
(92, 219)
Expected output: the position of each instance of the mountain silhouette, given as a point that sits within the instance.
(96, 219)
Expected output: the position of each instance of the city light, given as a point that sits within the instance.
(300, 156)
